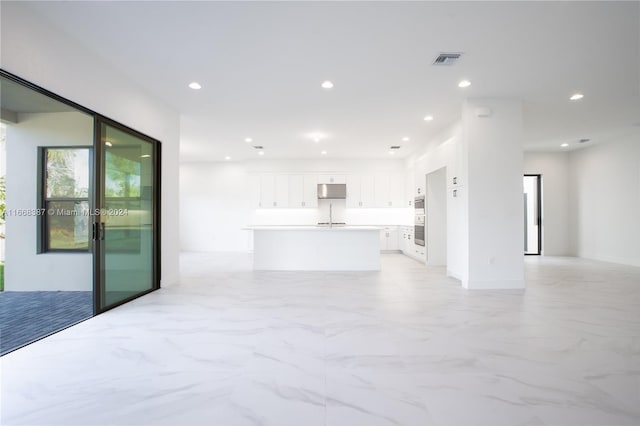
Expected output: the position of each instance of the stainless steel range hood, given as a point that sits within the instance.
(332, 191)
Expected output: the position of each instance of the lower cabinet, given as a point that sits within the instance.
(405, 239)
(408, 245)
(389, 239)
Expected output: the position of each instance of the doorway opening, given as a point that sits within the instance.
(532, 214)
(436, 217)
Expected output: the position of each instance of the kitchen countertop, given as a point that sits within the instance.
(312, 228)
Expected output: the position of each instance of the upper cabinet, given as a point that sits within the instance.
(269, 190)
(420, 183)
(389, 190)
(255, 190)
(272, 190)
(397, 190)
(303, 191)
(282, 191)
(410, 191)
(310, 196)
(360, 191)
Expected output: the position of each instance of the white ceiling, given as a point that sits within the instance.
(261, 65)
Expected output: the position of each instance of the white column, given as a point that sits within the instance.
(492, 191)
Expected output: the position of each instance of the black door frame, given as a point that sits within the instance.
(538, 212)
(98, 252)
(97, 151)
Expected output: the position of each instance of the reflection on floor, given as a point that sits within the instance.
(26, 316)
(403, 346)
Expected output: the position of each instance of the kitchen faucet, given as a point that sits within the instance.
(330, 215)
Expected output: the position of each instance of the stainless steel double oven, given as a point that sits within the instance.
(420, 214)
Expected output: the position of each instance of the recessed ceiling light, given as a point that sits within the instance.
(464, 83)
(227, 158)
(195, 86)
(145, 156)
(317, 136)
(576, 97)
(327, 84)
(107, 143)
(260, 152)
(392, 152)
(248, 140)
(564, 145)
(324, 153)
(428, 118)
(405, 139)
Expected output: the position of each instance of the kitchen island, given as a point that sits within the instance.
(316, 248)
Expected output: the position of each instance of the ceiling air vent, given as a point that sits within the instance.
(585, 140)
(258, 147)
(447, 58)
(394, 147)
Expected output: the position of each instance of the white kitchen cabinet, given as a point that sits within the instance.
(267, 191)
(408, 246)
(367, 191)
(332, 178)
(405, 239)
(303, 191)
(281, 191)
(296, 191)
(353, 191)
(360, 191)
(273, 190)
(310, 191)
(392, 239)
(389, 190)
(382, 188)
(389, 238)
(420, 181)
(402, 239)
(396, 188)
(409, 190)
(254, 191)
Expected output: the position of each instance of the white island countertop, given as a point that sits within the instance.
(316, 248)
(312, 228)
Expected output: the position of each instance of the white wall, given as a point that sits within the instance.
(25, 270)
(436, 197)
(215, 201)
(214, 207)
(604, 197)
(494, 187)
(554, 168)
(44, 55)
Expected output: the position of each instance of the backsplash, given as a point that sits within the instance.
(357, 216)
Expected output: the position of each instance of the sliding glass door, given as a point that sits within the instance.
(79, 213)
(126, 227)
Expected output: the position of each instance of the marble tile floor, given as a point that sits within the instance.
(404, 346)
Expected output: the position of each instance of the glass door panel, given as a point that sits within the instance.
(126, 224)
(46, 193)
